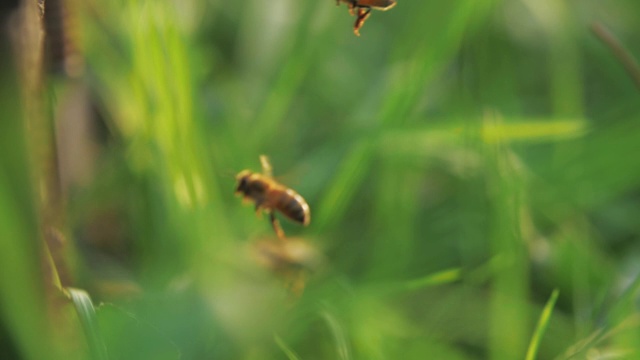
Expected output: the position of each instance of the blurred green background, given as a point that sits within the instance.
(472, 169)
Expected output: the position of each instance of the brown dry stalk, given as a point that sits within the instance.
(623, 55)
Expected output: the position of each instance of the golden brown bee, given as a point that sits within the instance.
(363, 8)
(269, 195)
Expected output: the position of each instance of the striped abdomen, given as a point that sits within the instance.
(293, 206)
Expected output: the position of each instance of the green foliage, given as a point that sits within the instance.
(462, 160)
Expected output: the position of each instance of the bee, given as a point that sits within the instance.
(363, 10)
(269, 195)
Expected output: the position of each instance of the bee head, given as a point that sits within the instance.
(243, 180)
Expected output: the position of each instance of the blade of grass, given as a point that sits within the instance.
(507, 188)
(619, 51)
(420, 64)
(405, 83)
(343, 351)
(87, 315)
(353, 168)
(441, 277)
(154, 110)
(287, 351)
(21, 296)
(542, 325)
(533, 131)
(22, 299)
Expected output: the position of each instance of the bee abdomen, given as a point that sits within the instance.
(294, 207)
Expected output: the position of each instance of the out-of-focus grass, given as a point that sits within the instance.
(87, 317)
(542, 325)
(461, 160)
(23, 315)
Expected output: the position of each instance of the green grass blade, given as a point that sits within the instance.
(542, 325)
(352, 169)
(23, 311)
(343, 350)
(526, 130)
(87, 315)
(283, 346)
(441, 277)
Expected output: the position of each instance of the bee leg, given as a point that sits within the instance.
(258, 208)
(296, 281)
(352, 5)
(276, 225)
(363, 14)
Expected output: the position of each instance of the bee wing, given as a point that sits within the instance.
(266, 166)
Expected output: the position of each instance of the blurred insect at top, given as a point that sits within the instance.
(269, 195)
(362, 10)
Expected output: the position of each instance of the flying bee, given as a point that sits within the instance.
(269, 195)
(363, 10)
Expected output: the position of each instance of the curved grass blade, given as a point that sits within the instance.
(342, 346)
(87, 315)
(291, 355)
(542, 326)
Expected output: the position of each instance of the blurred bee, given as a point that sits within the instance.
(292, 260)
(363, 10)
(269, 195)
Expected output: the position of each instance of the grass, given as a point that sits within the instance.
(462, 161)
(542, 325)
(87, 318)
